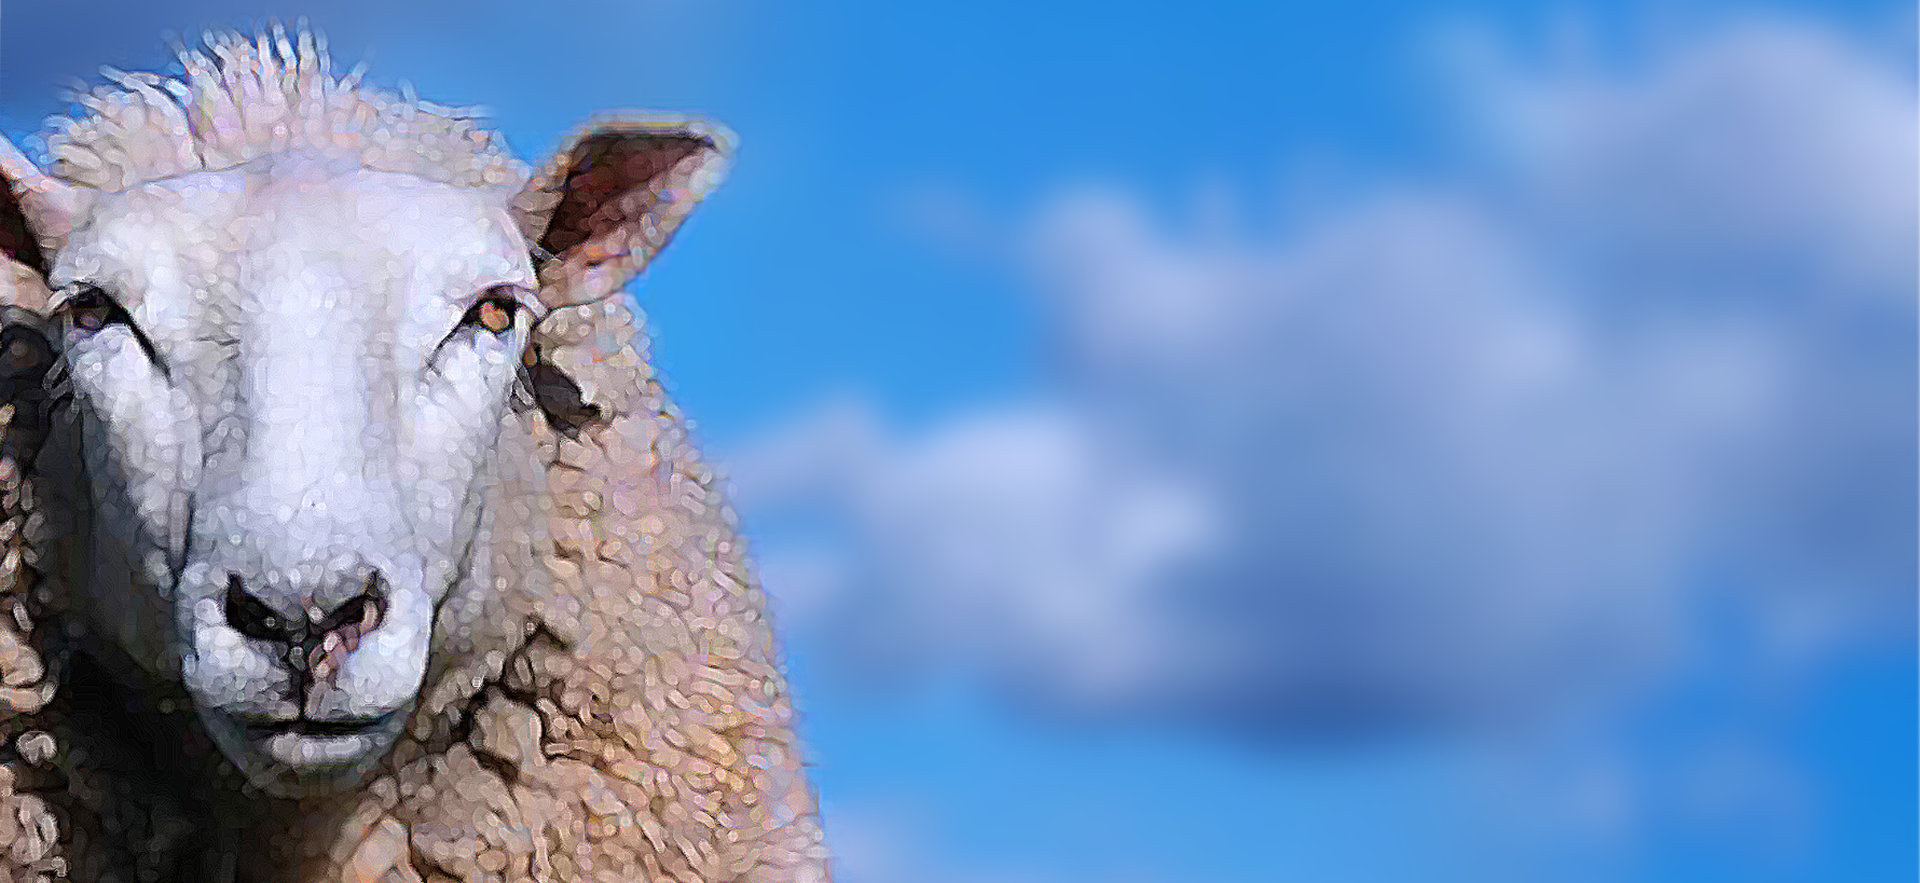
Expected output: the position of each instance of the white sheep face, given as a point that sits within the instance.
(289, 377)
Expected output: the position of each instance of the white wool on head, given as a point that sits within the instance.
(242, 98)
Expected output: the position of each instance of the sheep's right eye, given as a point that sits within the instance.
(91, 309)
(24, 353)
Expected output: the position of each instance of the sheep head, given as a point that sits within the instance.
(279, 392)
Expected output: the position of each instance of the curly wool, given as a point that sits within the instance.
(243, 98)
(620, 719)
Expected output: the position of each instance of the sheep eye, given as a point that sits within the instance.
(495, 311)
(91, 309)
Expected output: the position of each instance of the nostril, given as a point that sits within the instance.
(376, 595)
(342, 631)
(248, 616)
(364, 612)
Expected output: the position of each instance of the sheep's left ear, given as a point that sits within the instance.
(611, 199)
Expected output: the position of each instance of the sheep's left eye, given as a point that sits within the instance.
(495, 311)
(91, 309)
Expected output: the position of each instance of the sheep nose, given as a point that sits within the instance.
(317, 641)
(250, 616)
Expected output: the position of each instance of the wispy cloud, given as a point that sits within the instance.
(1482, 444)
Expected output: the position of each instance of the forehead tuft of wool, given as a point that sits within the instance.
(240, 98)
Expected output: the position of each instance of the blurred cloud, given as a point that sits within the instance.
(897, 840)
(1774, 155)
(1454, 453)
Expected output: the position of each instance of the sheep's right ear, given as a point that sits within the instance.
(37, 210)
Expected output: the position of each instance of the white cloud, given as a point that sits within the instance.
(1455, 452)
(1027, 549)
(1778, 144)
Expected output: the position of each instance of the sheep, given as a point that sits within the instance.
(605, 703)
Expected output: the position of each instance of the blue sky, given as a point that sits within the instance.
(1214, 442)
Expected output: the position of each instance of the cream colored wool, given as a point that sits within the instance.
(243, 98)
(638, 728)
(619, 716)
(630, 722)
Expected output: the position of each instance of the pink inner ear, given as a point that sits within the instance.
(614, 180)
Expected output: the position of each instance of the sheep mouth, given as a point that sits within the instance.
(326, 749)
(356, 726)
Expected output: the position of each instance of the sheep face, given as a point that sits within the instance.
(288, 379)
